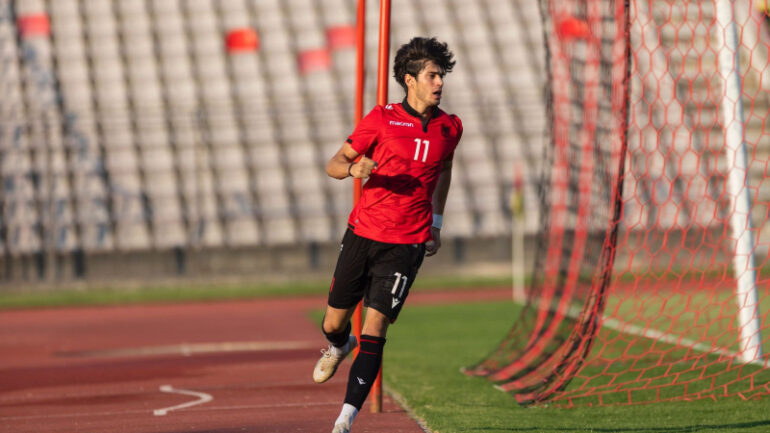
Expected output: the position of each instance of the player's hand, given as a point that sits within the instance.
(363, 168)
(432, 246)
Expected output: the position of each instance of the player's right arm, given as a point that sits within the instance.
(343, 164)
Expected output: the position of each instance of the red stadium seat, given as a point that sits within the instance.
(314, 60)
(242, 40)
(340, 37)
(34, 25)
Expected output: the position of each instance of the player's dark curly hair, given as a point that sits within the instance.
(412, 57)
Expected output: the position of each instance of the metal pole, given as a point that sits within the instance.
(382, 99)
(517, 233)
(738, 175)
(359, 114)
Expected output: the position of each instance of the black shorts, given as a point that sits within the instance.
(380, 273)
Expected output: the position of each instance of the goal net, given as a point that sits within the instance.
(648, 283)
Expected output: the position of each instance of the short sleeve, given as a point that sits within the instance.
(367, 131)
(458, 128)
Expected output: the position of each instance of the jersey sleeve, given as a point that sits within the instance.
(458, 127)
(365, 134)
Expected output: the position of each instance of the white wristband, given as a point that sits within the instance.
(438, 221)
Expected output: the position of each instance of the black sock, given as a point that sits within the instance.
(339, 339)
(364, 370)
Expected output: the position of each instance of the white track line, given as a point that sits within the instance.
(202, 398)
(187, 349)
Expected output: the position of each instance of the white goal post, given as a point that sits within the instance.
(735, 154)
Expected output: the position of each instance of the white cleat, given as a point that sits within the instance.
(327, 365)
(341, 428)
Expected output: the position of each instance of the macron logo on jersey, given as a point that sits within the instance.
(406, 124)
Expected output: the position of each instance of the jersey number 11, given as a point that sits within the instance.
(417, 149)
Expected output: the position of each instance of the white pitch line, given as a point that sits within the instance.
(654, 334)
(202, 398)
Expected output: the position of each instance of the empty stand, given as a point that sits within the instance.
(168, 139)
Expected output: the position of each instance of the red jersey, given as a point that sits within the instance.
(396, 203)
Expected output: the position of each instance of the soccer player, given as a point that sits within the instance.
(406, 154)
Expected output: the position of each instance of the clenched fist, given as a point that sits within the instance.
(363, 168)
(432, 245)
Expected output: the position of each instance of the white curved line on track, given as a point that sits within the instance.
(137, 412)
(202, 398)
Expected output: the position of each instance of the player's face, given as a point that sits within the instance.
(428, 85)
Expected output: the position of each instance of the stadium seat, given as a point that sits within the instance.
(457, 216)
(341, 36)
(128, 184)
(247, 76)
(293, 126)
(161, 185)
(284, 75)
(270, 184)
(238, 214)
(343, 68)
(280, 230)
(150, 129)
(311, 204)
(257, 124)
(222, 131)
(405, 22)
(168, 233)
(336, 12)
(179, 90)
(63, 12)
(204, 217)
(67, 37)
(264, 155)
(71, 66)
(163, 197)
(242, 231)
(214, 89)
(315, 227)
(234, 13)
(129, 215)
(116, 132)
(30, 7)
(130, 236)
(303, 156)
(314, 60)
(334, 126)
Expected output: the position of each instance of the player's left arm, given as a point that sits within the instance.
(439, 202)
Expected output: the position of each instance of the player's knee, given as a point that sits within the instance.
(330, 326)
(337, 334)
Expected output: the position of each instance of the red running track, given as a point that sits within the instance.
(101, 369)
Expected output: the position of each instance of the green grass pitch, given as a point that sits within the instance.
(429, 344)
